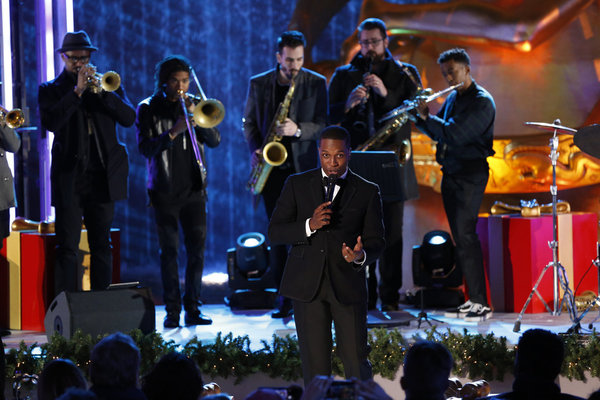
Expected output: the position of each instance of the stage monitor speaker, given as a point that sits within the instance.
(101, 312)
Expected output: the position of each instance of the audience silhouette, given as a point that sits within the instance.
(538, 361)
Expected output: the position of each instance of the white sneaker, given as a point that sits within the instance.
(478, 312)
(460, 311)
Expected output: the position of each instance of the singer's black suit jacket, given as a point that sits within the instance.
(356, 212)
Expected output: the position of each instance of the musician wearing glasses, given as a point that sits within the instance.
(293, 117)
(176, 184)
(464, 132)
(360, 93)
(89, 166)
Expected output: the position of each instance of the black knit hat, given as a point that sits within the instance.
(76, 41)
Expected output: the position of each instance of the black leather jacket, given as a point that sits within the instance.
(154, 119)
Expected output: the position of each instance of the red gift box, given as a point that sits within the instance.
(29, 268)
(516, 251)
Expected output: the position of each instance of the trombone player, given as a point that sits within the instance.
(176, 183)
(89, 165)
(306, 116)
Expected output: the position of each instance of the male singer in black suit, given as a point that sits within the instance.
(360, 93)
(306, 118)
(331, 243)
(89, 165)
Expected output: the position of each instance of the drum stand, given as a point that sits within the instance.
(575, 327)
(560, 276)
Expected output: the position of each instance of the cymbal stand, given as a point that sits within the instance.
(560, 276)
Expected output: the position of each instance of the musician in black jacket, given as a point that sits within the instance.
(176, 186)
(307, 116)
(89, 165)
(360, 93)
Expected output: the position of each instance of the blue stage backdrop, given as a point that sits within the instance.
(228, 41)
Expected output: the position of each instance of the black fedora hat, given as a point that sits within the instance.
(76, 41)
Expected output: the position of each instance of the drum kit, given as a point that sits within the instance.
(588, 140)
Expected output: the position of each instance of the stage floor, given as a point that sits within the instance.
(259, 325)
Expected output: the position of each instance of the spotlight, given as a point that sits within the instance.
(434, 269)
(250, 278)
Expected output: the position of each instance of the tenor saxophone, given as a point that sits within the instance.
(273, 152)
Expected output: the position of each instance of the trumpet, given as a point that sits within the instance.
(13, 118)
(108, 81)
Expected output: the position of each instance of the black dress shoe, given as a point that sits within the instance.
(196, 318)
(285, 310)
(171, 320)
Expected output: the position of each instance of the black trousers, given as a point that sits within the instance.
(4, 225)
(313, 325)
(270, 194)
(462, 196)
(190, 214)
(90, 202)
(390, 262)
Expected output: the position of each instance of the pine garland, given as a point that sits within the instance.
(475, 356)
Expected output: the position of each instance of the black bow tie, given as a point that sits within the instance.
(333, 179)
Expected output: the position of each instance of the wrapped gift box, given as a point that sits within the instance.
(27, 267)
(516, 251)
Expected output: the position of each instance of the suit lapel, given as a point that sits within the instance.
(348, 191)
(316, 187)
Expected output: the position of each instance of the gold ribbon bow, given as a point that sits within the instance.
(530, 209)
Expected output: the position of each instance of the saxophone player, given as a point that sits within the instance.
(360, 93)
(298, 131)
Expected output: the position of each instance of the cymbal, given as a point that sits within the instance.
(588, 140)
(552, 127)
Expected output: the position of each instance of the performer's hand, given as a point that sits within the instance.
(256, 156)
(422, 109)
(179, 127)
(321, 216)
(86, 71)
(353, 254)
(287, 128)
(375, 82)
(357, 96)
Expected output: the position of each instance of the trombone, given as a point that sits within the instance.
(208, 113)
(13, 118)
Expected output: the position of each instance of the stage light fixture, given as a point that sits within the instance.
(250, 279)
(435, 270)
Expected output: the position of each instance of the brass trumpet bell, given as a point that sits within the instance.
(108, 81)
(209, 113)
(13, 119)
(274, 153)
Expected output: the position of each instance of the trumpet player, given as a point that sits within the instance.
(176, 185)
(10, 141)
(89, 166)
(360, 93)
(464, 131)
(306, 117)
